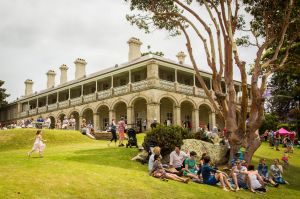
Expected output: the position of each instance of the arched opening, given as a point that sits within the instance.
(76, 117)
(88, 116)
(120, 110)
(186, 112)
(103, 117)
(52, 125)
(204, 116)
(140, 114)
(166, 111)
(61, 117)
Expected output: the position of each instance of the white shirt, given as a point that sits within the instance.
(177, 160)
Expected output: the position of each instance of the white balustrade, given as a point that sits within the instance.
(42, 109)
(32, 111)
(23, 114)
(104, 94)
(63, 104)
(76, 101)
(167, 85)
(89, 98)
(141, 85)
(52, 107)
(182, 88)
(121, 90)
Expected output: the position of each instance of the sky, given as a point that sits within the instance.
(41, 35)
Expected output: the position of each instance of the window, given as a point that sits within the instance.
(137, 78)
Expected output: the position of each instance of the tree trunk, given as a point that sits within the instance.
(253, 143)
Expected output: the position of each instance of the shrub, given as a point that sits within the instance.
(283, 125)
(200, 135)
(166, 137)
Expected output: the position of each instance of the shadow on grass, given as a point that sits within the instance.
(114, 157)
(290, 174)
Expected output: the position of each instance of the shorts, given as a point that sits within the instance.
(211, 180)
(242, 184)
(279, 180)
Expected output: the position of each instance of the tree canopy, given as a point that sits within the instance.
(274, 25)
(3, 95)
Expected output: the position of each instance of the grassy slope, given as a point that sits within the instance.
(77, 167)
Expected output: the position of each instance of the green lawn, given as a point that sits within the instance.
(75, 166)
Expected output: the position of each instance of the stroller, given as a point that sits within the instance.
(132, 141)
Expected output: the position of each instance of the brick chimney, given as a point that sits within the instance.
(28, 87)
(134, 48)
(80, 68)
(63, 73)
(50, 78)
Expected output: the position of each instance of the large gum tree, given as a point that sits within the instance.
(272, 26)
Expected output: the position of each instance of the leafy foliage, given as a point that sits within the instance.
(3, 95)
(269, 123)
(166, 137)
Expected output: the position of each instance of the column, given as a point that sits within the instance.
(96, 121)
(129, 82)
(153, 74)
(47, 100)
(37, 102)
(112, 115)
(81, 90)
(80, 122)
(177, 115)
(196, 119)
(69, 94)
(176, 82)
(212, 120)
(57, 98)
(153, 112)
(96, 88)
(28, 106)
(130, 121)
(210, 83)
(112, 85)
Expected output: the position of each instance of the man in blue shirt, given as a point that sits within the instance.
(211, 176)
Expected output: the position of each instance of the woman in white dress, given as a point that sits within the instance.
(38, 144)
(255, 180)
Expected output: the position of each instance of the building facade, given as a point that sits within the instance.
(145, 88)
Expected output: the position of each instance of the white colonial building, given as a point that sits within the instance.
(146, 87)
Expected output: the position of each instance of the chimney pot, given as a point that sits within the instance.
(63, 73)
(181, 57)
(50, 78)
(80, 68)
(28, 87)
(134, 48)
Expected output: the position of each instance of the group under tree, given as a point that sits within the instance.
(272, 26)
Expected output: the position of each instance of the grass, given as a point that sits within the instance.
(75, 166)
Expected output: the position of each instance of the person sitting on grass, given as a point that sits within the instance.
(212, 176)
(239, 176)
(263, 172)
(159, 172)
(190, 167)
(256, 182)
(177, 157)
(155, 151)
(277, 171)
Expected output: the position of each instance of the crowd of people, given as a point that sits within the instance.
(183, 167)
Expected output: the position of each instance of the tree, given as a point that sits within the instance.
(272, 26)
(270, 122)
(285, 89)
(3, 95)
